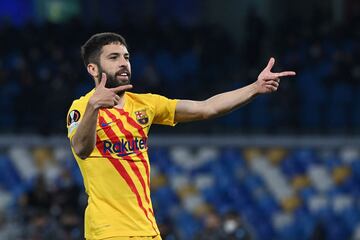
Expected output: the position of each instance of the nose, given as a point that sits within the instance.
(123, 61)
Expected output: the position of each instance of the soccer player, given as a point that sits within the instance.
(108, 130)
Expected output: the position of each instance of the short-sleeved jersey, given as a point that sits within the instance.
(117, 173)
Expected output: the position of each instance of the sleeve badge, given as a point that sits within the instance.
(73, 117)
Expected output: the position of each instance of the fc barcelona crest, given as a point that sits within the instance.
(142, 117)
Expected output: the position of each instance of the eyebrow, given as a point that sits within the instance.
(117, 54)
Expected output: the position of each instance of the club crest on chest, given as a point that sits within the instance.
(141, 116)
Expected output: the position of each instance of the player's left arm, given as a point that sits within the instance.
(267, 82)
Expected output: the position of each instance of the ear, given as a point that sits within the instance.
(93, 70)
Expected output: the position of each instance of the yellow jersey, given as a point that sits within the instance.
(117, 173)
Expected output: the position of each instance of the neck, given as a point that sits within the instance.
(121, 103)
(121, 94)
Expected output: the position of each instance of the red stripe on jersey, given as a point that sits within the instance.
(150, 210)
(132, 122)
(129, 137)
(122, 171)
(143, 135)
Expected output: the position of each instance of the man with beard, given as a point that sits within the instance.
(108, 130)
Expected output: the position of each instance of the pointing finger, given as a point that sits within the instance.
(121, 88)
(285, 74)
(103, 80)
(270, 64)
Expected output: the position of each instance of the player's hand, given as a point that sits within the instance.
(106, 97)
(268, 81)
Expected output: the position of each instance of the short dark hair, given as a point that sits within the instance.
(90, 51)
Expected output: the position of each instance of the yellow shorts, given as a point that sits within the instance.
(158, 237)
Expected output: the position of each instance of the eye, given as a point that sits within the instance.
(113, 58)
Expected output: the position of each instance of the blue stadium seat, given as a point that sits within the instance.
(336, 230)
(306, 193)
(161, 157)
(264, 229)
(268, 204)
(304, 222)
(288, 232)
(332, 162)
(9, 177)
(252, 182)
(240, 197)
(165, 198)
(188, 226)
(233, 161)
(355, 167)
(351, 218)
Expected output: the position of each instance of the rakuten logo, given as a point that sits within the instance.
(124, 148)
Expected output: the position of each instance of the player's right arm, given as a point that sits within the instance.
(84, 139)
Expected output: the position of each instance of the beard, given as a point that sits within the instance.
(111, 79)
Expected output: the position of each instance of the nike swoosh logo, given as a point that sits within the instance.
(124, 154)
(105, 124)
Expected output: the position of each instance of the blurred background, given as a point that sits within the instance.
(285, 166)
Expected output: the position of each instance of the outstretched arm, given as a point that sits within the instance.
(267, 82)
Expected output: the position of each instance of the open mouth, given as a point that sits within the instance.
(123, 74)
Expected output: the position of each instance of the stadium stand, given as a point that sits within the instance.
(231, 191)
